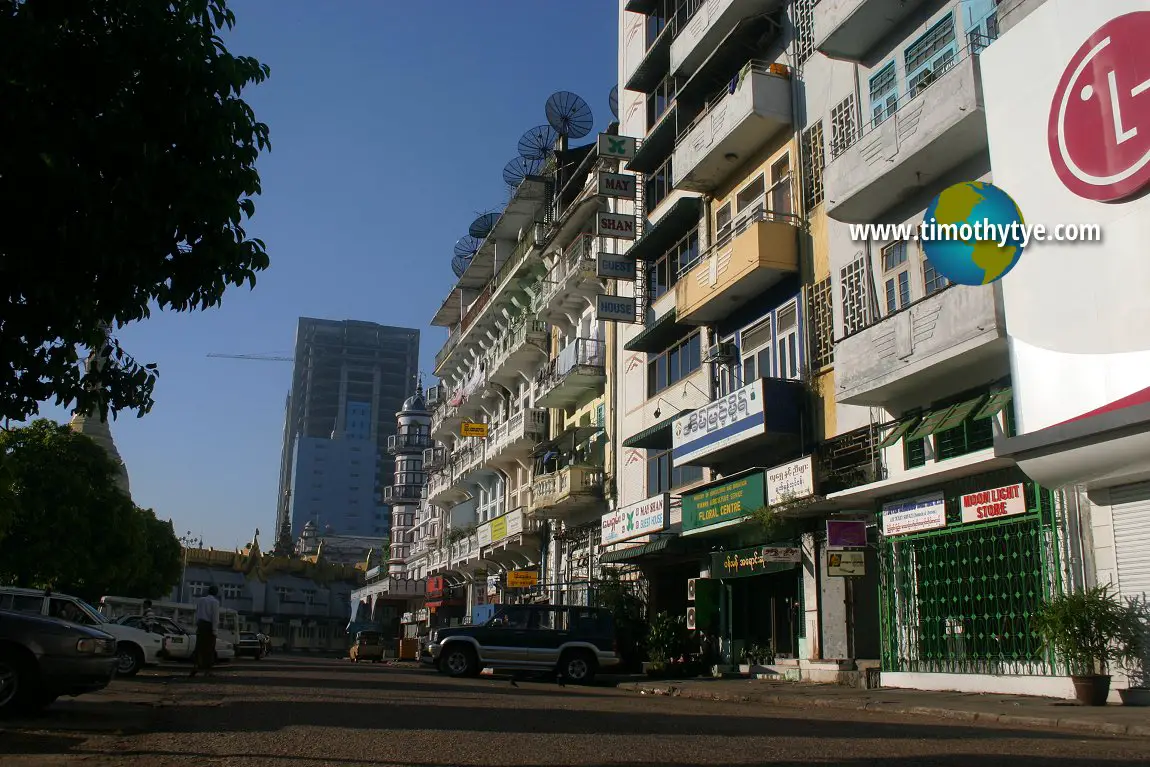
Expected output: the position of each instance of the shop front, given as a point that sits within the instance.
(965, 567)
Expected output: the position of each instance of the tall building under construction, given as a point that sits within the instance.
(350, 379)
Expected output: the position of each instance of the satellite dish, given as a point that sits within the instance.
(538, 142)
(569, 114)
(482, 226)
(613, 99)
(459, 265)
(467, 247)
(520, 168)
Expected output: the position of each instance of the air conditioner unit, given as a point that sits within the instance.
(540, 235)
(433, 396)
(691, 589)
(722, 353)
(691, 618)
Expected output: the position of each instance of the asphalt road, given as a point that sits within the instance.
(293, 711)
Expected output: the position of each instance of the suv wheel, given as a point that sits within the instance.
(18, 691)
(577, 666)
(459, 660)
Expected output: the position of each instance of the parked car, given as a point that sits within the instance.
(368, 646)
(135, 648)
(178, 642)
(250, 646)
(574, 642)
(44, 658)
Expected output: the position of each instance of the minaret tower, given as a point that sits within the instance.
(406, 494)
(94, 426)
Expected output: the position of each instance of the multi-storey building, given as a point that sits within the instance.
(405, 494)
(349, 379)
(822, 405)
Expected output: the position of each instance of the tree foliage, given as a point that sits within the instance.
(126, 171)
(70, 527)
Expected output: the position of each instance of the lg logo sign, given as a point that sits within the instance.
(1099, 132)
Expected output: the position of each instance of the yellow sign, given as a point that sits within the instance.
(498, 529)
(473, 430)
(518, 579)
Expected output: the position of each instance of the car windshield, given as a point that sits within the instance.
(92, 612)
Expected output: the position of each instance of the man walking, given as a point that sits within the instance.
(207, 623)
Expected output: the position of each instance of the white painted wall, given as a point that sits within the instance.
(1076, 313)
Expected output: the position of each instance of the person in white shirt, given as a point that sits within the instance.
(207, 624)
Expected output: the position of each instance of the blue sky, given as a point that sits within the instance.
(390, 124)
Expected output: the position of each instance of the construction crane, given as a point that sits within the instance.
(263, 357)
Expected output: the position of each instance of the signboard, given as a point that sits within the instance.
(927, 512)
(1099, 126)
(498, 529)
(790, 481)
(723, 503)
(615, 308)
(758, 560)
(514, 522)
(518, 579)
(614, 267)
(846, 564)
(483, 534)
(735, 418)
(620, 185)
(642, 518)
(473, 429)
(846, 534)
(616, 147)
(991, 504)
(619, 225)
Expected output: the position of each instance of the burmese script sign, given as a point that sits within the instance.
(638, 519)
(723, 503)
(754, 561)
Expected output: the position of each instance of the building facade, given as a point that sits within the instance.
(349, 379)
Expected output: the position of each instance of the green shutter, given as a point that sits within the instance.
(898, 432)
(930, 423)
(995, 405)
(958, 414)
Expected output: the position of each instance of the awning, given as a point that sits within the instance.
(995, 405)
(658, 238)
(656, 61)
(898, 432)
(657, 437)
(668, 544)
(659, 143)
(641, 6)
(944, 418)
(660, 334)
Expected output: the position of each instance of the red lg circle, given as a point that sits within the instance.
(1099, 133)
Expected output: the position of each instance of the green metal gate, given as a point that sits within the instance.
(962, 599)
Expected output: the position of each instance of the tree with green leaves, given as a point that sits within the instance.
(126, 172)
(70, 527)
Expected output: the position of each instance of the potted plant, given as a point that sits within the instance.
(1090, 630)
(755, 656)
(1137, 668)
(665, 644)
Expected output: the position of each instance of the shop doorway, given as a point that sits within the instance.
(765, 611)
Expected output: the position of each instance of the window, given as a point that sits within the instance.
(197, 588)
(982, 33)
(787, 341)
(231, 591)
(663, 273)
(660, 100)
(804, 30)
(855, 298)
(673, 365)
(780, 192)
(896, 276)
(934, 281)
(22, 603)
(750, 194)
(812, 162)
(755, 348)
(930, 56)
(723, 225)
(656, 186)
(823, 324)
(663, 477)
(844, 126)
(884, 94)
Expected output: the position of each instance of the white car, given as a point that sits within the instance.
(183, 647)
(135, 648)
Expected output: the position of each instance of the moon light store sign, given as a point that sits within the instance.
(754, 561)
(642, 518)
(723, 503)
(914, 515)
(992, 504)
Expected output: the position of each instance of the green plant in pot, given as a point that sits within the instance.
(665, 642)
(1137, 668)
(1091, 631)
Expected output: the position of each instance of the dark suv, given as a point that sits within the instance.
(574, 642)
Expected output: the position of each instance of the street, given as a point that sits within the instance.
(315, 711)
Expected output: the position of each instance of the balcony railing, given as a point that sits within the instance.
(582, 352)
(567, 484)
(518, 256)
(402, 493)
(576, 258)
(448, 347)
(530, 423)
(401, 443)
(477, 307)
(512, 340)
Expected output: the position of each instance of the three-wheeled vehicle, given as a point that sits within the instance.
(368, 646)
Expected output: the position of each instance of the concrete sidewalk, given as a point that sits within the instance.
(1013, 710)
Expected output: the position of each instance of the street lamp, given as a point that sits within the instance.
(186, 540)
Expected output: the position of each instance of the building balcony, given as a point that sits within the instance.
(763, 250)
(732, 127)
(443, 491)
(467, 460)
(576, 376)
(523, 347)
(710, 28)
(514, 439)
(398, 444)
(567, 491)
(434, 458)
(463, 552)
(850, 29)
(938, 125)
(402, 494)
(572, 284)
(445, 422)
(924, 351)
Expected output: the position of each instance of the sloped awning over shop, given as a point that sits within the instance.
(656, 437)
(671, 545)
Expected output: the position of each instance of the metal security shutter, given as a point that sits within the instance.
(1130, 505)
